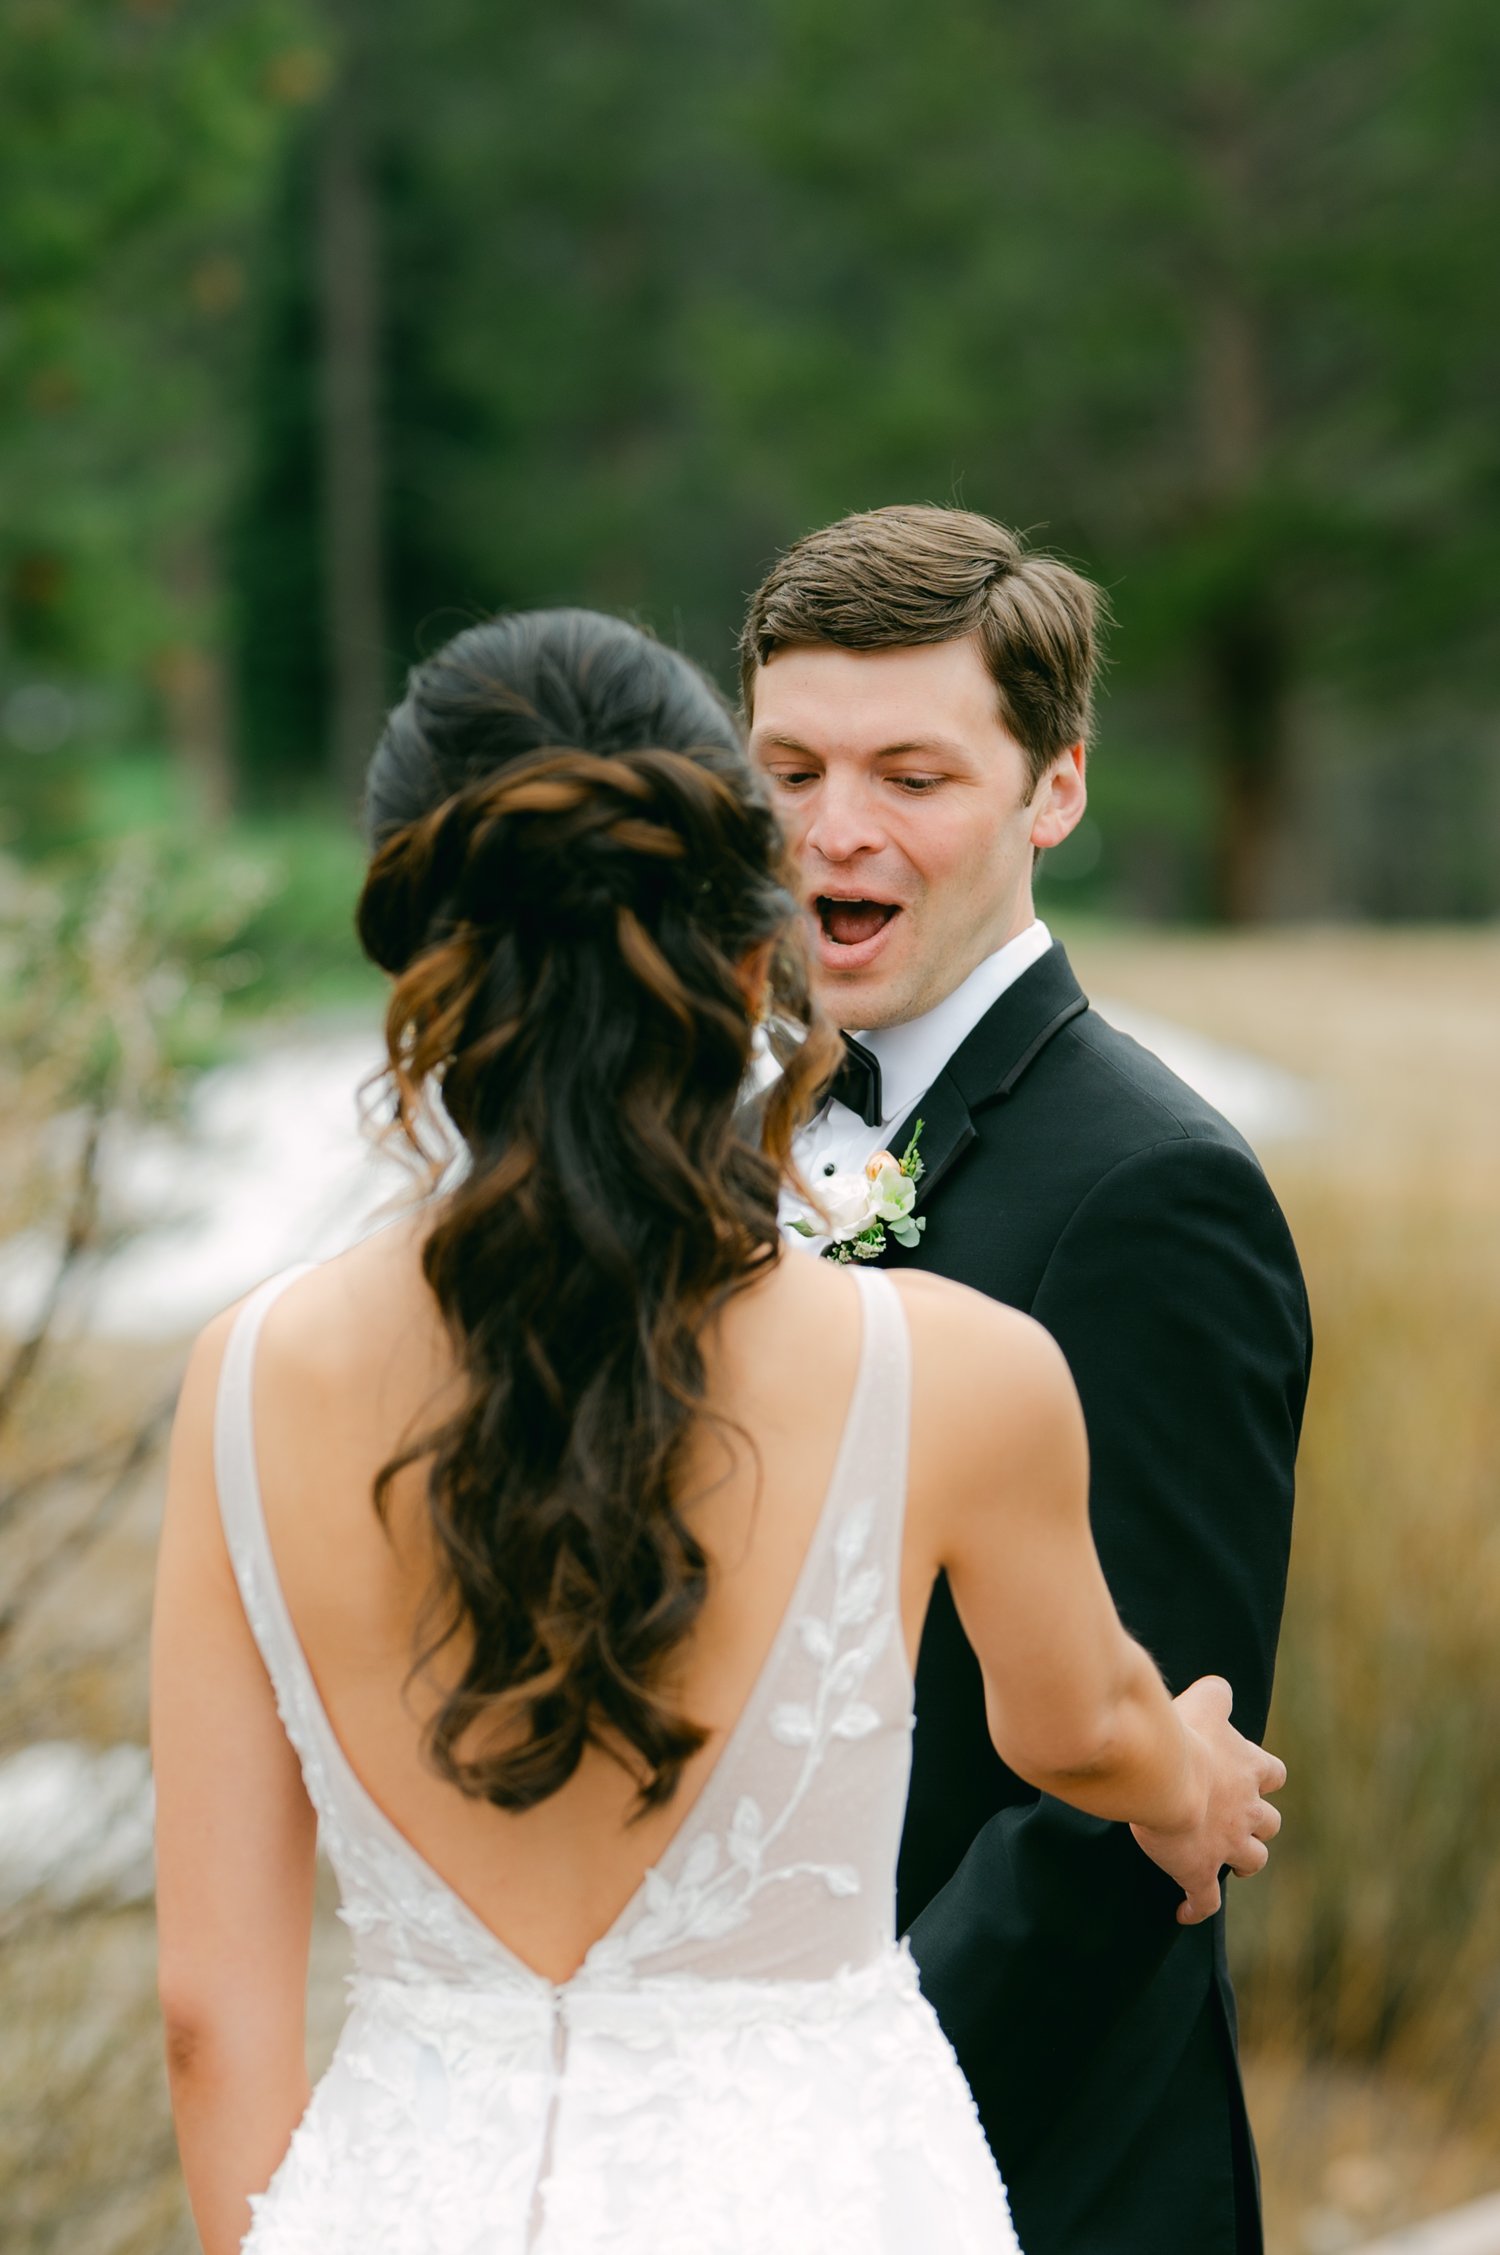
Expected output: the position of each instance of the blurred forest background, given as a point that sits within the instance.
(325, 329)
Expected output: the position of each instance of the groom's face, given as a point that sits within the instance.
(912, 815)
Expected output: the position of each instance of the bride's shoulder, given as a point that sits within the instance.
(978, 1365)
(330, 1314)
(345, 1314)
(963, 1320)
(957, 1334)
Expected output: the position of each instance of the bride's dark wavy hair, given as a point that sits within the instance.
(572, 863)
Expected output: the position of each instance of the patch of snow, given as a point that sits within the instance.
(274, 1167)
(76, 1824)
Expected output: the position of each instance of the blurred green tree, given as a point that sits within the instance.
(661, 286)
(1207, 289)
(607, 306)
(136, 142)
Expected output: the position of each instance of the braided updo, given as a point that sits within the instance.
(573, 869)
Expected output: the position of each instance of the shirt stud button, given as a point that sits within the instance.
(829, 1167)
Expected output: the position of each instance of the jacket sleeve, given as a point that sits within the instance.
(1174, 1292)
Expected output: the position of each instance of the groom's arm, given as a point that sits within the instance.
(1175, 1294)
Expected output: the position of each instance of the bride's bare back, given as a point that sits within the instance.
(352, 1361)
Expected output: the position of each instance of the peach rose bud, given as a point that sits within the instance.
(881, 1159)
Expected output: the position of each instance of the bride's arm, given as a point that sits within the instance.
(1075, 1705)
(235, 1838)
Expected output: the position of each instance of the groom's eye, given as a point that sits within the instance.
(917, 786)
(788, 778)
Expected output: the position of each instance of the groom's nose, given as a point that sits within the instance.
(844, 820)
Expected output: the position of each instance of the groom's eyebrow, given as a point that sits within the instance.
(944, 746)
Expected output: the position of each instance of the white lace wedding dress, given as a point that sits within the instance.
(744, 2064)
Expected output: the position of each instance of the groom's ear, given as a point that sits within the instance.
(1058, 802)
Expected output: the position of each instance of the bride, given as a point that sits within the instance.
(560, 1554)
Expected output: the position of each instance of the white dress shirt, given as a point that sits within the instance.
(838, 1141)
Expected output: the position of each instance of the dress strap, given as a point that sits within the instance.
(880, 1421)
(242, 1512)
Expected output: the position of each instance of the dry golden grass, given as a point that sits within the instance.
(1397, 1032)
(1369, 1956)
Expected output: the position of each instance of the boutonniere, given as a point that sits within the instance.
(862, 1207)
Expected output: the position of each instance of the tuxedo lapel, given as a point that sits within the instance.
(947, 1129)
(989, 1063)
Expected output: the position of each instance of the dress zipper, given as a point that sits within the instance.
(559, 2062)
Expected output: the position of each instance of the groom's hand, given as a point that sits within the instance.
(1237, 1822)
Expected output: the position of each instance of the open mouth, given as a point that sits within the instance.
(850, 923)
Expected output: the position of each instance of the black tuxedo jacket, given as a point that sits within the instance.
(1070, 1174)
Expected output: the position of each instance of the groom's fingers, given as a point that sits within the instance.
(1267, 1822)
(1253, 1858)
(1201, 1903)
(1272, 1773)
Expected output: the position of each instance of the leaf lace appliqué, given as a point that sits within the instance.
(721, 1876)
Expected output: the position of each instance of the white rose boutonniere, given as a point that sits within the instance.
(860, 1208)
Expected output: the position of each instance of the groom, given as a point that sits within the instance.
(918, 690)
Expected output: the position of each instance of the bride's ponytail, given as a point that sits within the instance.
(568, 931)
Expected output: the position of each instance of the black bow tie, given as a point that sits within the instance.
(857, 1082)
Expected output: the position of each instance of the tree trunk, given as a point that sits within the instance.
(1243, 646)
(196, 702)
(1245, 666)
(190, 678)
(353, 574)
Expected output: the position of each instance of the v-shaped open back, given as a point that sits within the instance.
(744, 2064)
(783, 1866)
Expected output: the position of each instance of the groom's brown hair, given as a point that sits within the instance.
(890, 579)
